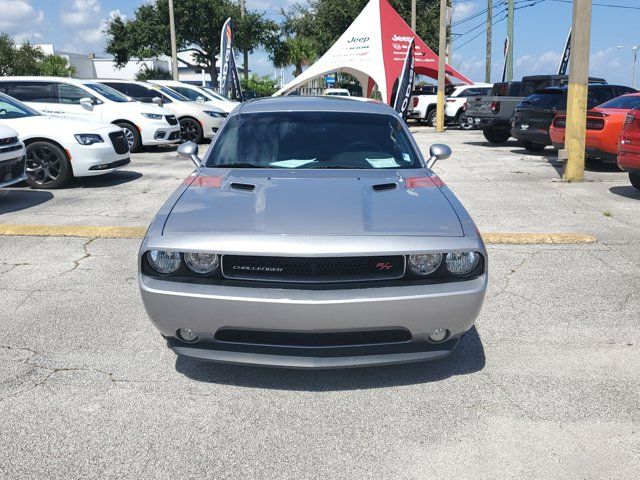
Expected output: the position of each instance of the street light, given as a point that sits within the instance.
(635, 57)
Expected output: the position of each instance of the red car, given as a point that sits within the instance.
(629, 147)
(604, 124)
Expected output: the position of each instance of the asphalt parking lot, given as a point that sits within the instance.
(547, 386)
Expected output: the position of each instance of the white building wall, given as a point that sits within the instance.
(105, 68)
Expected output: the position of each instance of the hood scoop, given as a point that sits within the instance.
(381, 187)
(243, 186)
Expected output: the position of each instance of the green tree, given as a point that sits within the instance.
(56, 66)
(154, 73)
(260, 86)
(298, 51)
(198, 27)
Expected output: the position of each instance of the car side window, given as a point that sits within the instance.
(189, 93)
(41, 92)
(71, 95)
(600, 95)
(143, 94)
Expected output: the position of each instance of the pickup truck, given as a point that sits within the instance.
(424, 102)
(493, 114)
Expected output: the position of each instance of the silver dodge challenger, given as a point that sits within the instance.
(313, 234)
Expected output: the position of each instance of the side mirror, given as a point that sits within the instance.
(157, 101)
(438, 151)
(200, 100)
(87, 104)
(190, 150)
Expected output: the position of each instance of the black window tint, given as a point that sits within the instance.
(43, 92)
(625, 90)
(341, 140)
(624, 102)
(599, 95)
(142, 93)
(71, 95)
(189, 93)
(547, 100)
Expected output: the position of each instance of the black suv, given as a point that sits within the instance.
(533, 116)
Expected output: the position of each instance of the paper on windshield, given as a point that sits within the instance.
(382, 162)
(291, 163)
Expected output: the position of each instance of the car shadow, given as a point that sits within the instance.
(17, 199)
(466, 359)
(112, 179)
(486, 143)
(626, 191)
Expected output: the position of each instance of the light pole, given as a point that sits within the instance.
(635, 57)
(174, 48)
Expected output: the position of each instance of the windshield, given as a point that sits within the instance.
(171, 93)
(11, 108)
(313, 140)
(108, 92)
(625, 102)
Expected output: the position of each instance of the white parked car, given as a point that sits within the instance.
(197, 120)
(457, 101)
(12, 157)
(336, 92)
(144, 125)
(58, 149)
(199, 94)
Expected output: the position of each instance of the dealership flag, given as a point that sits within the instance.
(229, 78)
(506, 52)
(405, 83)
(564, 63)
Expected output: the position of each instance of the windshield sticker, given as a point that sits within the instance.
(292, 163)
(382, 162)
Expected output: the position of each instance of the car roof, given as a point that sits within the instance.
(48, 79)
(562, 88)
(299, 103)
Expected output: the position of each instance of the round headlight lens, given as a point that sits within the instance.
(425, 264)
(462, 263)
(202, 263)
(164, 262)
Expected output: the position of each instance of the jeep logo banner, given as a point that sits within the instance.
(228, 70)
(405, 83)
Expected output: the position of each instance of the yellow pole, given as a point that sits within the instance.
(575, 133)
(442, 53)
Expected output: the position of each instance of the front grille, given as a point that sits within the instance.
(171, 119)
(313, 270)
(312, 339)
(119, 141)
(12, 169)
(174, 135)
(12, 148)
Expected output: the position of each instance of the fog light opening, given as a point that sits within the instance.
(439, 335)
(187, 335)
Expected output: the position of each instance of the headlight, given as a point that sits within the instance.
(462, 263)
(88, 138)
(425, 264)
(202, 263)
(214, 114)
(164, 262)
(152, 116)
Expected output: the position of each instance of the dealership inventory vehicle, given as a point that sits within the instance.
(423, 101)
(144, 125)
(12, 157)
(629, 147)
(533, 116)
(197, 120)
(59, 149)
(313, 234)
(604, 125)
(196, 93)
(493, 114)
(423, 104)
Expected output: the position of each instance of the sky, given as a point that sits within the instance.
(541, 28)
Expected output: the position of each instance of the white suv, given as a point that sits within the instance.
(12, 158)
(199, 94)
(144, 125)
(457, 102)
(197, 120)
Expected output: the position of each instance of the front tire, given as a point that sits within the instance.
(190, 130)
(534, 147)
(634, 178)
(496, 135)
(47, 166)
(132, 135)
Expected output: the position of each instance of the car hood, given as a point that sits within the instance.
(43, 125)
(308, 202)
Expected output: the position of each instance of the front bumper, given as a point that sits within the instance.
(12, 170)
(89, 160)
(532, 134)
(159, 132)
(418, 309)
